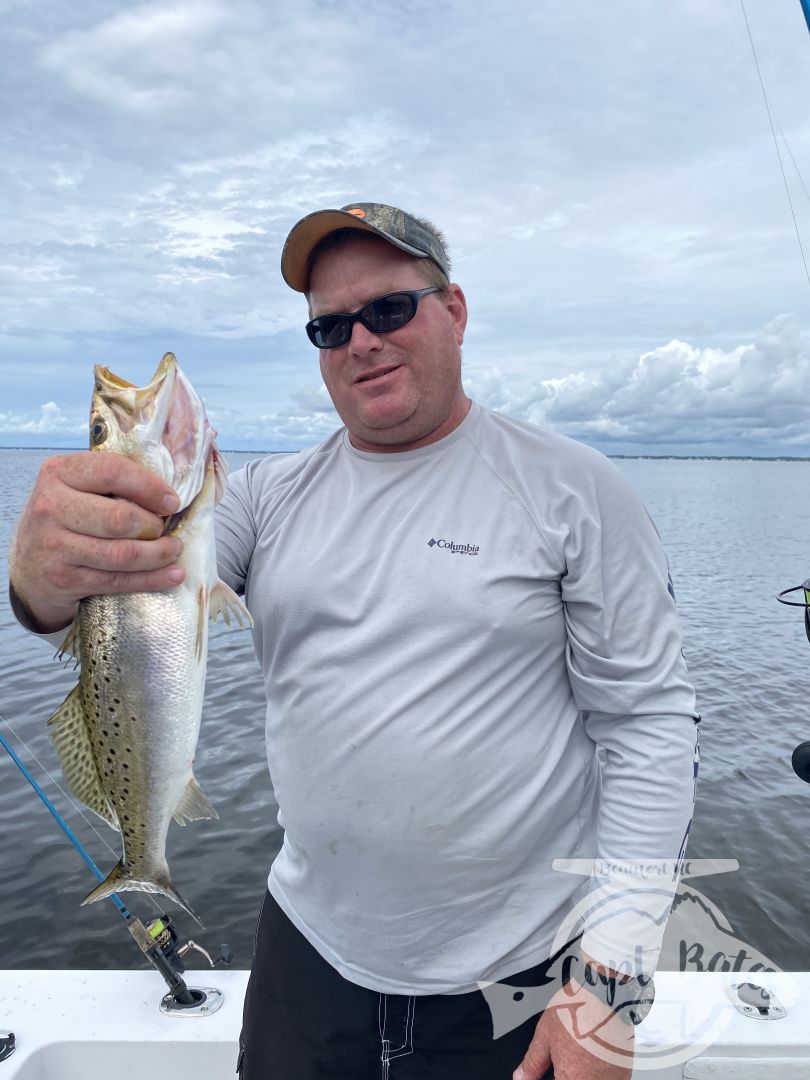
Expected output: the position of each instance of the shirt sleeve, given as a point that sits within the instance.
(624, 637)
(649, 774)
(630, 683)
(21, 615)
(235, 530)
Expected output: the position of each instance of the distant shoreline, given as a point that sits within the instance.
(702, 457)
(620, 457)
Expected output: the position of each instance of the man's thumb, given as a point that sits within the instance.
(535, 1063)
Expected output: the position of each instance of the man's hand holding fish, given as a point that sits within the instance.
(93, 524)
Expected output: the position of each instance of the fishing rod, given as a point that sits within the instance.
(806, 9)
(158, 939)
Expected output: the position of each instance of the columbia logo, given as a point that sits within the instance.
(453, 547)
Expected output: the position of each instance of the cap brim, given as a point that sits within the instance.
(308, 233)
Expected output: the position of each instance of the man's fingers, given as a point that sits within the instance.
(110, 519)
(149, 581)
(84, 554)
(112, 474)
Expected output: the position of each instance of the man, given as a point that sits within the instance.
(453, 610)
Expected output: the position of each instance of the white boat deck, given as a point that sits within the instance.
(107, 1025)
(100, 1025)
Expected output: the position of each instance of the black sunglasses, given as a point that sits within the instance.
(380, 316)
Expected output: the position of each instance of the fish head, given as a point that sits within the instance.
(161, 426)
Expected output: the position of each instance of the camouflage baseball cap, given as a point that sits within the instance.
(395, 226)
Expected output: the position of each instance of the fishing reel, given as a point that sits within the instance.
(162, 932)
(801, 755)
(159, 942)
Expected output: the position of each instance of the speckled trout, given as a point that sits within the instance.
(126, 735)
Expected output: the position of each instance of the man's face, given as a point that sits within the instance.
(400, 390)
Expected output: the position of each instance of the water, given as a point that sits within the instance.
(736, 535)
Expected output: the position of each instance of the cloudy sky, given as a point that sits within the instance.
(605, 174)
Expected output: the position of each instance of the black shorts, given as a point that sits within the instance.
(304, 1021)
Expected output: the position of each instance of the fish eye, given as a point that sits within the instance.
(98, 431)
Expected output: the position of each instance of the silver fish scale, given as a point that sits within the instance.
(138, 694)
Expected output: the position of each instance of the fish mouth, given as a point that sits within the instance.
(168, 414)
(143, 405)
(369, 376)
(108, 379)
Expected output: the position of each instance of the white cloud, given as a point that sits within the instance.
(136, 59)
(678, 393)
(290, 427)
(51, 421)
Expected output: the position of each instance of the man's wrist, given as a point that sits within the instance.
(603, 969)
(629, 996)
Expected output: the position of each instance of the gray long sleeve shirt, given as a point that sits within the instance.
(447, 635)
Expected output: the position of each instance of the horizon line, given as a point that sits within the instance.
(637, 456)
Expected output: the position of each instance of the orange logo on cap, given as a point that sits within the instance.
(357, 212)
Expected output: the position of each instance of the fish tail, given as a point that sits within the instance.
(119, 879)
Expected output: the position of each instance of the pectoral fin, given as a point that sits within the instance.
(223, 600)
(72, 741)
(70, 646)
(193, 805)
